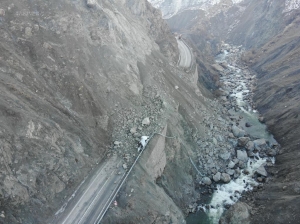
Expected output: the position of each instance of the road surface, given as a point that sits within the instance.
(185, 54)
(89, 203)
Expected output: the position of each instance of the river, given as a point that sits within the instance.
(238, 81)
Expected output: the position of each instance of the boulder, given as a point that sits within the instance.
(215, 141)
(242, 165)
(231, 164)
(261, 119)
(2, 12)
(261, 171)
(236, 214)
(242, 141)
(230, 171)
(146, 121)
(117, 144)
(237, 132)
(225, 156)
(251, 154)
(133, 130)
(217, 177)
(218, 67)
(248, 125)
(225, 177)
(237, 173)
(260, 143)
(271, 152)
(242, 155)
(250, 146)
(91, 3)
(230, 135)
(206, 180)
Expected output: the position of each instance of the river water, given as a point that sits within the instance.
(240, 87)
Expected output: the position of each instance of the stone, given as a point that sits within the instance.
(176, 87)
(133, 130)
(2, 12)
(125, 166)
(259, 143)
(218, 67)
(230, 171)
(237, 173)
(242, 141)
(137, 135)
(206, 180)
(236, 214)
(261, 171)
(146, 121)
(250, 146)
(225, 177)
(225, 156)
(214, 170)
(242, 155)
(248, 125)
(251, 154)
(237, 132)
(246, 172)
(36, 27)
(271, 152)
(230, 135)
(242, 165)
(91, 3)
(217, 177)
(117, 143)
(261, 119)
(28, 32)
(231, 164)
(215, 141)
(220, 138)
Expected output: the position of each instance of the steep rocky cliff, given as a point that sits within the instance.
(70, 72)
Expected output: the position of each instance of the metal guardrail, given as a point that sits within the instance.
(115, 192)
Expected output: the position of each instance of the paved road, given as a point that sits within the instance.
(185, 54)
(93, 197)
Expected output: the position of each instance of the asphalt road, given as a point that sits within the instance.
(93, 197)
(185, 54)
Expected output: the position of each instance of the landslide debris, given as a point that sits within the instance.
(72, 83)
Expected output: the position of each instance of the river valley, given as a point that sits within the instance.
(82, 81)
(254, 147)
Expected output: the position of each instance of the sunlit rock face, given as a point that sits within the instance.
(170, 8)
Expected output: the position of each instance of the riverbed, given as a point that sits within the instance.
(238, 84)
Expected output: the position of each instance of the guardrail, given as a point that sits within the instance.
(115, 192)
